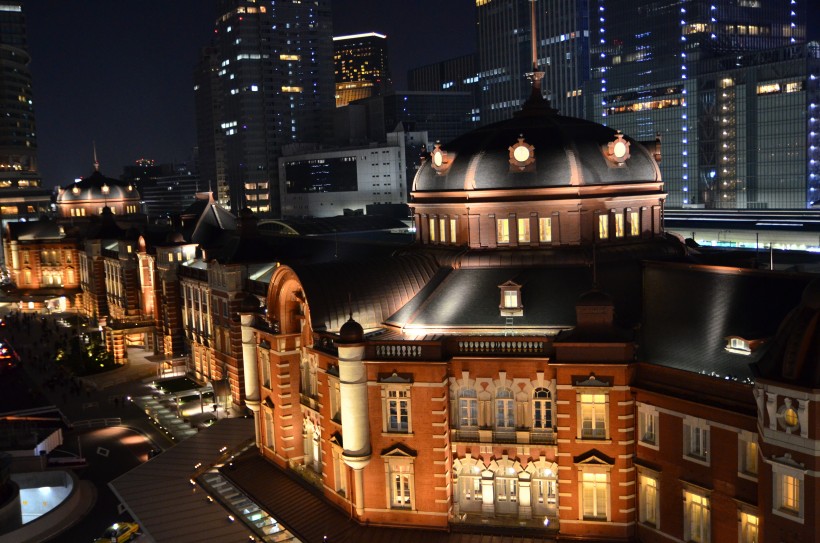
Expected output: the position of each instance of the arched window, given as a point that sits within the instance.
(470, 495)
(504, 409)
(506, 491)
(544, 492)
(467, 409)
(541, 409)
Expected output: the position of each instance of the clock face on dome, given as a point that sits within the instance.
(618, 150)
(521, 154)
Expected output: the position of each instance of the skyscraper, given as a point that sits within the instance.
(505, 54)
(722, 83)
(275, 87)
(210, 134)
(361, 66)
(18, 140)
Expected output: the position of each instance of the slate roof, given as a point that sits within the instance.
(373, 288)
(323, 226)
(689, 311)
(40, 230)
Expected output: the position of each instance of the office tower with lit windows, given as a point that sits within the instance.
(729, 85)
(361, 66)
(505, 54)
(18, 139)
(458, 74)
(210, 135)
(275, 70)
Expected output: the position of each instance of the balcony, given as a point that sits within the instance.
(518, 437)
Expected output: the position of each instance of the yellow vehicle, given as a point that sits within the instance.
(119, 533)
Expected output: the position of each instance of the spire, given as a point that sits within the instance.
(535, 104)
(96, 162)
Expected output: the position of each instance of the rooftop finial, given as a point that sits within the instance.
(96, 162)
(535, 104)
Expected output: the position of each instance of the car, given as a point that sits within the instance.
(119, 532)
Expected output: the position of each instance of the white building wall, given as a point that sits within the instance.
(380, 179)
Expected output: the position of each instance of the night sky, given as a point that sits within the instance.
(120, 72)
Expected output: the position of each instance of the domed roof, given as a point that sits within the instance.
(566, 151)
(351, 332)
(97, 187)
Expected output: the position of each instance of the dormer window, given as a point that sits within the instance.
(738, 345)
(440, 159)
(105, 189)
(511, 305)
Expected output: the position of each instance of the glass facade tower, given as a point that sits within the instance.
(689, 71)
(361, 66)
(275, 69)
(505, 54)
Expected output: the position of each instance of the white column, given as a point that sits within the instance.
(355, 418)
(251, 369)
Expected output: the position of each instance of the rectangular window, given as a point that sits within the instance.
(524, 230)
(648, 500)
(545, 229)
(696, 440)
(339, 473)
(696, 518)
(502, 231)
(398, 410)
(265, 363)
(453, 231)
(748, 528)
(432, 223)
(468, 410)
(268, 429)
(603, 226)
(647, 425)
(505, 411)
(442, 228)
(594, 495)
(510, 298)
(634, 224)
(747, 461)
(335, 400)
(401, 490)
(619, 225)
(593, 416)
(790, 493)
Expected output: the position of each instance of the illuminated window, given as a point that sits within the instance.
(603, 226)
(593, 416)
(619, 225)
(502, 231)
(524, 230)
(268, 428)
(749, 528)
(634, 224)
(790, 417)
(335, 400)
(287, 88)
(545, 229)
(432, 223)
(594, 495)
(747, 454)
(768, 88)
(442, 228)
(696, 518)
(453, 231)
(400, 476)
(339, 472)
(648, 500)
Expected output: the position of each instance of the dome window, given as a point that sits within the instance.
(441, 161)
(75, 189)
(617, 150)
(522, 156)
(105, 189)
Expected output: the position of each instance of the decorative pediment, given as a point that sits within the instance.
(399, 450)
(336, 439)
(269, 403)
(396, 378)
(591, 381)
(787, 460)
(594, 457)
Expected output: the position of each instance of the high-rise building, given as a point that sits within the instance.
(729, 87)
(275, 86)
(505, 54)
(18, 139)
(361, 65)
(210, 135)
(458, 74)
